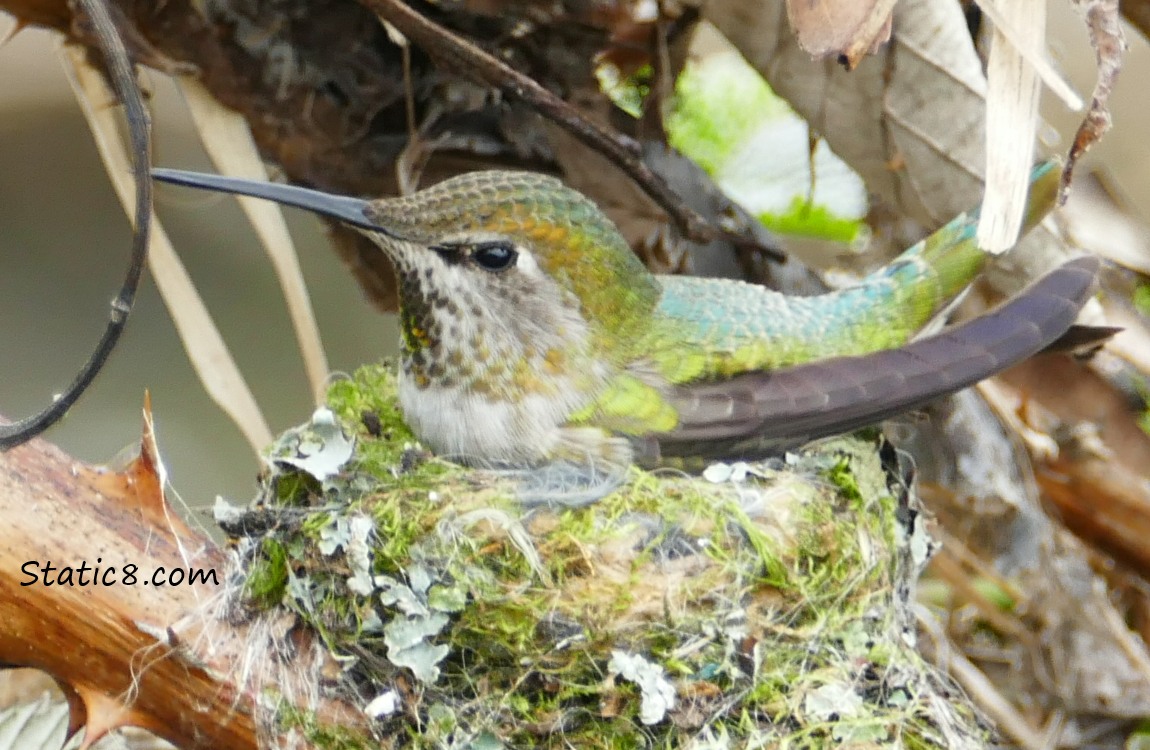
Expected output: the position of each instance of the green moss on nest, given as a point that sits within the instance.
(675, 612)
(267, 577)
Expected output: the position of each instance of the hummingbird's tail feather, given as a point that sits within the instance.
(787, 407)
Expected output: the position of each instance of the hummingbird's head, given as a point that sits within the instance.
(514, 254)
(502, 274)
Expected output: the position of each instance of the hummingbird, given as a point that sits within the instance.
(532, 334)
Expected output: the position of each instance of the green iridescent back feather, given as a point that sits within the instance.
(715, 328)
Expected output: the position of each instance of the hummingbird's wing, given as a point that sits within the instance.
(786, 407)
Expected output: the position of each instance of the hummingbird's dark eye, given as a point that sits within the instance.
(494, 256)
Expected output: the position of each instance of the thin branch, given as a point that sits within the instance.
(468, 60)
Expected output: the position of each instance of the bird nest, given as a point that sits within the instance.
(760, 605)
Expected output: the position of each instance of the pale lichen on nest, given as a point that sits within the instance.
(763, 605)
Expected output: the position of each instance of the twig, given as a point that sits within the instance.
(468, 60)
(121, 75)
(988, 697)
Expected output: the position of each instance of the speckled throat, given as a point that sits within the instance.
(491, 367)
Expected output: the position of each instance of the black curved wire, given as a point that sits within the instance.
(121, 75)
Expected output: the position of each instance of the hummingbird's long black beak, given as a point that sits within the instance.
(348, 210)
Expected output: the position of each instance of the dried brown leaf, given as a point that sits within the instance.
(1104, 504)
(847, 29)
(1075, 394)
